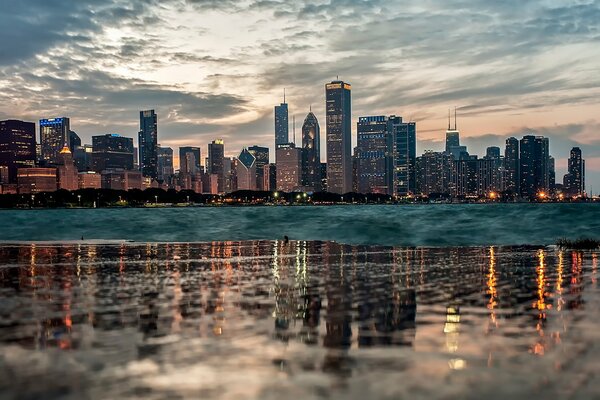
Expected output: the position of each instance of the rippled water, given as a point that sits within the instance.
(267, 319)
(407, 225)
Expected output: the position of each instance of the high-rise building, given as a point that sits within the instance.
(339, 136)
(67, 171)
(289, 168)
(282, 126)
(512, 181)
(497, 165)
(452, 135)
(574, 180)
(404, 155)
(112, 151)
(165, 164)
(215, 166)
(74, 141)
(83, 157)
(245, 170)
(148, 144)
(189, 159)
(551, 174)
(17, 146)
(433, 172)
(261, 154)
(269, 177)
(54, 134)
(373, 155)
(534, 168)
(311, 155)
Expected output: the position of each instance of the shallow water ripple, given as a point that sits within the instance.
(267, 319)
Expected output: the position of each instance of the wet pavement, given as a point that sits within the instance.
(267, 319)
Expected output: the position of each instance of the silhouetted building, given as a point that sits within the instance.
(373, 155)
(574, 180)
(165, 164)
(17, 147)
(404, 155)
(54, 133)
(289, 168)
(74, 141)
(512, 182)
(311, 145)
(83, 156)
(324, 177)
(282, 126)
(434, 173)
(148, 144)
(215, 165)
(270, 177)
(36, 180)
(534, 171)
(339, 136)
(112, 151)
(189, 159)
(498, 172)
(261, 154)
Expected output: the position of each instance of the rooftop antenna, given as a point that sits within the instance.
(455, 118)
(448, 119)
(337, 77)
(310, 108)
(294, 125)
(283, 95)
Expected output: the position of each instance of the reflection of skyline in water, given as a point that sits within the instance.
(474, 306)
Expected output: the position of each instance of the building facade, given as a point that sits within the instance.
(289, 168)
(534, 166)
(148, 144)
(339, 136)
(404, 155)
(245, 171)
(512, 181)
(574, 180)
(36, 180)
(17, 147)
(282, 126)
(373, 155)
(311, 146)
(215, 162)
(112, 151)
(54, 134)
(261, 154)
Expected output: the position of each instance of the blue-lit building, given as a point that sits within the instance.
(373, 155)
(112, 151)
(54, 134)
(148, 144)
(338, 107)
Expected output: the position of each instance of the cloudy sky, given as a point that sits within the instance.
(215, 68)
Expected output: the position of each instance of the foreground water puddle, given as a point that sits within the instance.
(266, 319)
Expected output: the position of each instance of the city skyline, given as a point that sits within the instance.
(226, 89)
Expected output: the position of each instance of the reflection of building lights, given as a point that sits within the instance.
(540, 304)
(451, 328)
(457, 364)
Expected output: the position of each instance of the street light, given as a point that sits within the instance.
(79, 199)
(156, 200)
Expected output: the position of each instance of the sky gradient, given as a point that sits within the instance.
(215, 68)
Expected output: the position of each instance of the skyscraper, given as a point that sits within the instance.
(148, 144)
(54, 133)
(574, 180)
(261, 154)
(404, 154)
(246, 171)
(281, 124)
(74, 141)
(534, 171)
(289, 168)
(373, 150)
(17, 146)
(512, 182)
(339, 136)
(216, 156)
(186, 155)
(67, 171)
(311, 155)
(452, 135)
(497, 169)
(165, 163)
(434, 173)
(112, 151)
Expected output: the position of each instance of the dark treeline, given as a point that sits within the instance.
(150, 197)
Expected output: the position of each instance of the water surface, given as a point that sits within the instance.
(267, 319)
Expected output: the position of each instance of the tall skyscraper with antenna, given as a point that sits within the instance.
(281, 124)
(453, 146)
(339, 136)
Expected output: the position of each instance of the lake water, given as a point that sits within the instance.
(304, 319)
(404, 225)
